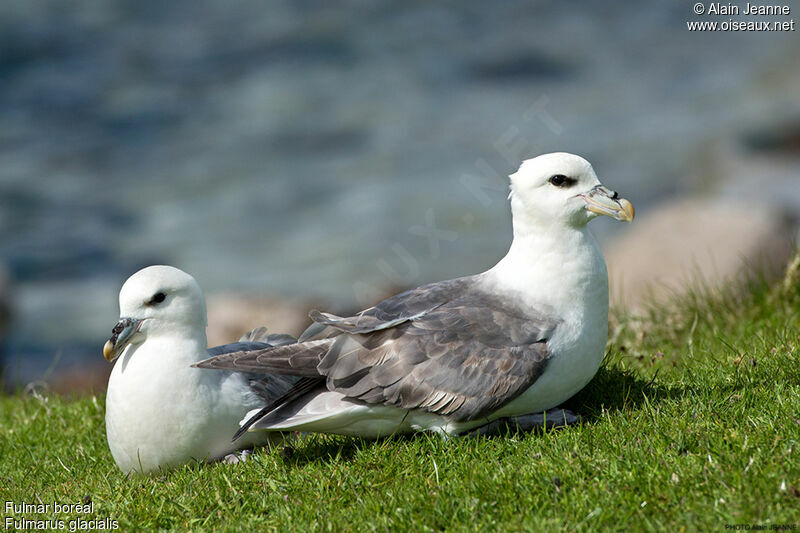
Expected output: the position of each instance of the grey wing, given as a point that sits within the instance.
(463, 359)
(448, 348)
(237, 347)
(390, 312)
(256, 339)
(298, 359)
(260, 334)
(267, 386)
(301, 358)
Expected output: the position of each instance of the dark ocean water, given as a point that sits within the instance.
(307, 149)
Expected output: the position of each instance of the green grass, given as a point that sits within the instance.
(693, 422)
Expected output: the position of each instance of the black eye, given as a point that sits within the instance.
(560, 180)
(157, 298)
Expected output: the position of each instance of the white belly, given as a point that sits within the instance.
(565, 375)
(164, 417)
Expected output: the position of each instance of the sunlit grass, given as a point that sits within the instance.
(694, 420)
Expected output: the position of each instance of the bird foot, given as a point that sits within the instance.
(552, 418)
(237, 457)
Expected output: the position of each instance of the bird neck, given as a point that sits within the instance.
(560, 267)
(187, 337)
(184, 343)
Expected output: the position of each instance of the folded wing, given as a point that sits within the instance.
(267, 386)
(448, 348)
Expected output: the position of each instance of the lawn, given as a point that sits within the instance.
(692, 422)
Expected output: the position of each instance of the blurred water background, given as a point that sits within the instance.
(331, 150)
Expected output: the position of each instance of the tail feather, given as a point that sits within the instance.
(299, 389)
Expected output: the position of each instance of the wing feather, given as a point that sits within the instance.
(449, 348)
(463, 358)
(268, 386)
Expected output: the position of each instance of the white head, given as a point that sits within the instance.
(561, 188)
(157, 300)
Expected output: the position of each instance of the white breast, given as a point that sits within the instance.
(569, 280)
(160, 412)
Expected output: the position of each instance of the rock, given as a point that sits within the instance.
(683, 243)
(231, 314)
(762, 164)
(89, 379)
